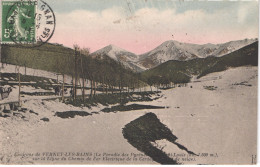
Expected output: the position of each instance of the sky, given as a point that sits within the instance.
(141, 25)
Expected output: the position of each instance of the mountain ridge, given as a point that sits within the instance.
(170, 50)
(174, 50)
(182, 71)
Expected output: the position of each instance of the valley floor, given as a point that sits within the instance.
(214, 115)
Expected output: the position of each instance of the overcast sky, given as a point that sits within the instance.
(141, 25)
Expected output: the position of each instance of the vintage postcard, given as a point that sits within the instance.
(128, 82)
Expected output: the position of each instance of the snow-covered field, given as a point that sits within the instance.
(13, 96)
(217, 115)
(8, 68)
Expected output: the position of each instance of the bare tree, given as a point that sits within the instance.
(76, 48)
(83, 52)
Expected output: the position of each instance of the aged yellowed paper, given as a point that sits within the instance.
(128, 82)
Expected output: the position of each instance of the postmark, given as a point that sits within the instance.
(28, 23)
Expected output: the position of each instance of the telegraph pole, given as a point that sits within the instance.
(19, 94)
(76, 73)
(63, 88)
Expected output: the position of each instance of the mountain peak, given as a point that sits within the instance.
(127, 58)
(113, 46)
(171, 42)
(110, 48)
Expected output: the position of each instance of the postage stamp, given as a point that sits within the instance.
(18, 21)
(29, 23)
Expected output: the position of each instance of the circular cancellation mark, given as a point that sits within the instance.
(29, 23)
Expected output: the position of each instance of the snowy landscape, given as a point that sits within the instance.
(133, 82)
(206, 116)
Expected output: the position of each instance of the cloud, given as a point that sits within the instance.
(146, 28)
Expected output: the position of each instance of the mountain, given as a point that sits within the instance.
(127, 58)
(174, 50)
(182, 71)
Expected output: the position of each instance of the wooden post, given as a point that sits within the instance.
(83, 92)
(91, 91)
(19, 94)
(107, 87)
(134, 86)
(25, 69)
(76, 74)
(95, 85)
(76, 82)
(120, 90)
(103, 85)
(63, 88)
(73, 87)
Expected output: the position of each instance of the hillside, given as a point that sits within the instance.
(59, 59)
(182, 71)
(174, 50)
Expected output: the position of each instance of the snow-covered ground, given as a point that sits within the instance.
(13, 96)
(221, 121)
(8, 68)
